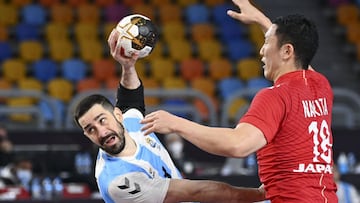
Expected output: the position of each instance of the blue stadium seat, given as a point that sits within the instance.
(45, 69)
(239, 49)
(34, 14)
(258, 82)
(74, 69)
(228, 32)
(5, 51)
(227, 86)
(25, 31)
(197, 13)
(219, 13)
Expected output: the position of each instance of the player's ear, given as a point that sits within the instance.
(118, 114)
(287, 51)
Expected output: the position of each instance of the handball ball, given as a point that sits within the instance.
(138, 34)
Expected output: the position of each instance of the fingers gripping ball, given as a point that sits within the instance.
(137, 34)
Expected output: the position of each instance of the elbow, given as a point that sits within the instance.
(238, 150)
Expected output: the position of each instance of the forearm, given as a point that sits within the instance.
(129, 78)
(215, 140)
(212, 191)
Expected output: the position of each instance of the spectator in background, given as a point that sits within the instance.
(17, 173)
(346, 192)
(6, 148)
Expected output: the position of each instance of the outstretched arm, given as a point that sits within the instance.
(130, 91)
(249, 14)
(211, 191)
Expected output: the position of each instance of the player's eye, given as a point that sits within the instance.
(102, 120)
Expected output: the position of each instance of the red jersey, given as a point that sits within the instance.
(295, 117)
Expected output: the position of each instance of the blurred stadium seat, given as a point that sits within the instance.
(62, 13)
(60, 50)
(170, 13)
(73, 69)
(191, 68)
(219, 68)
(89, 83)
(34, 14)
(248, 68)
(5, 51)
(161, 68)
(197, 13)
(115, 12)
(31, 50)
(239, 49)
(9, 14)
(61, 89)
(44, 70)
(209, 49)
(24, 31)
(88, 13)
(14, 69)
(103, 68)
(227, 86)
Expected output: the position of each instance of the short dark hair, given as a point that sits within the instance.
(88, 102)
(301, 33)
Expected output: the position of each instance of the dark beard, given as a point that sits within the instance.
(119, 146)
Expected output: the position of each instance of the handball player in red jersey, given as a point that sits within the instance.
(288, 124)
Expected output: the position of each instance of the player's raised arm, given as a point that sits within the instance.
(249, 14)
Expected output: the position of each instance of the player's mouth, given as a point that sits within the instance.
(109, 140)
(263, 63)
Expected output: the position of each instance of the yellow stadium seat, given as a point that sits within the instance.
(180, 49)
(173, 83)
(56, 31)
(85, 31)
(256, 36)
(157, 52)
(91, 50)
(75, 3)
(30, 83)
(353, 32)
(88, 13)
(62, 13)
(205, 85)
(209, 49)
(14, 70)
(61, 50)
(4, 85)
(185, 3)
(31, 50)
(141, 68)
(219, 68)
(159, 2)
(151, 83)
(170, 13)
(147, 10)
(248, 68)
(20, 102)
(9, 15)
(202, 32)
(107, 29)
(347, 14)
(24, 84)
(161, 68)
(173, 31)
(236, 106)
(60, 89)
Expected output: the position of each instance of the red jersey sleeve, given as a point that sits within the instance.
(266, 112)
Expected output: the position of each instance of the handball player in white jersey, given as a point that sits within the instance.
(131, 167)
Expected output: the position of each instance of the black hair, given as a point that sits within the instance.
(301, 33)
(88, 102)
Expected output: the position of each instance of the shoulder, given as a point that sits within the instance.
(133, 113)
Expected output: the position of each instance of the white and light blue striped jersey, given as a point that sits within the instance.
(143, 177)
